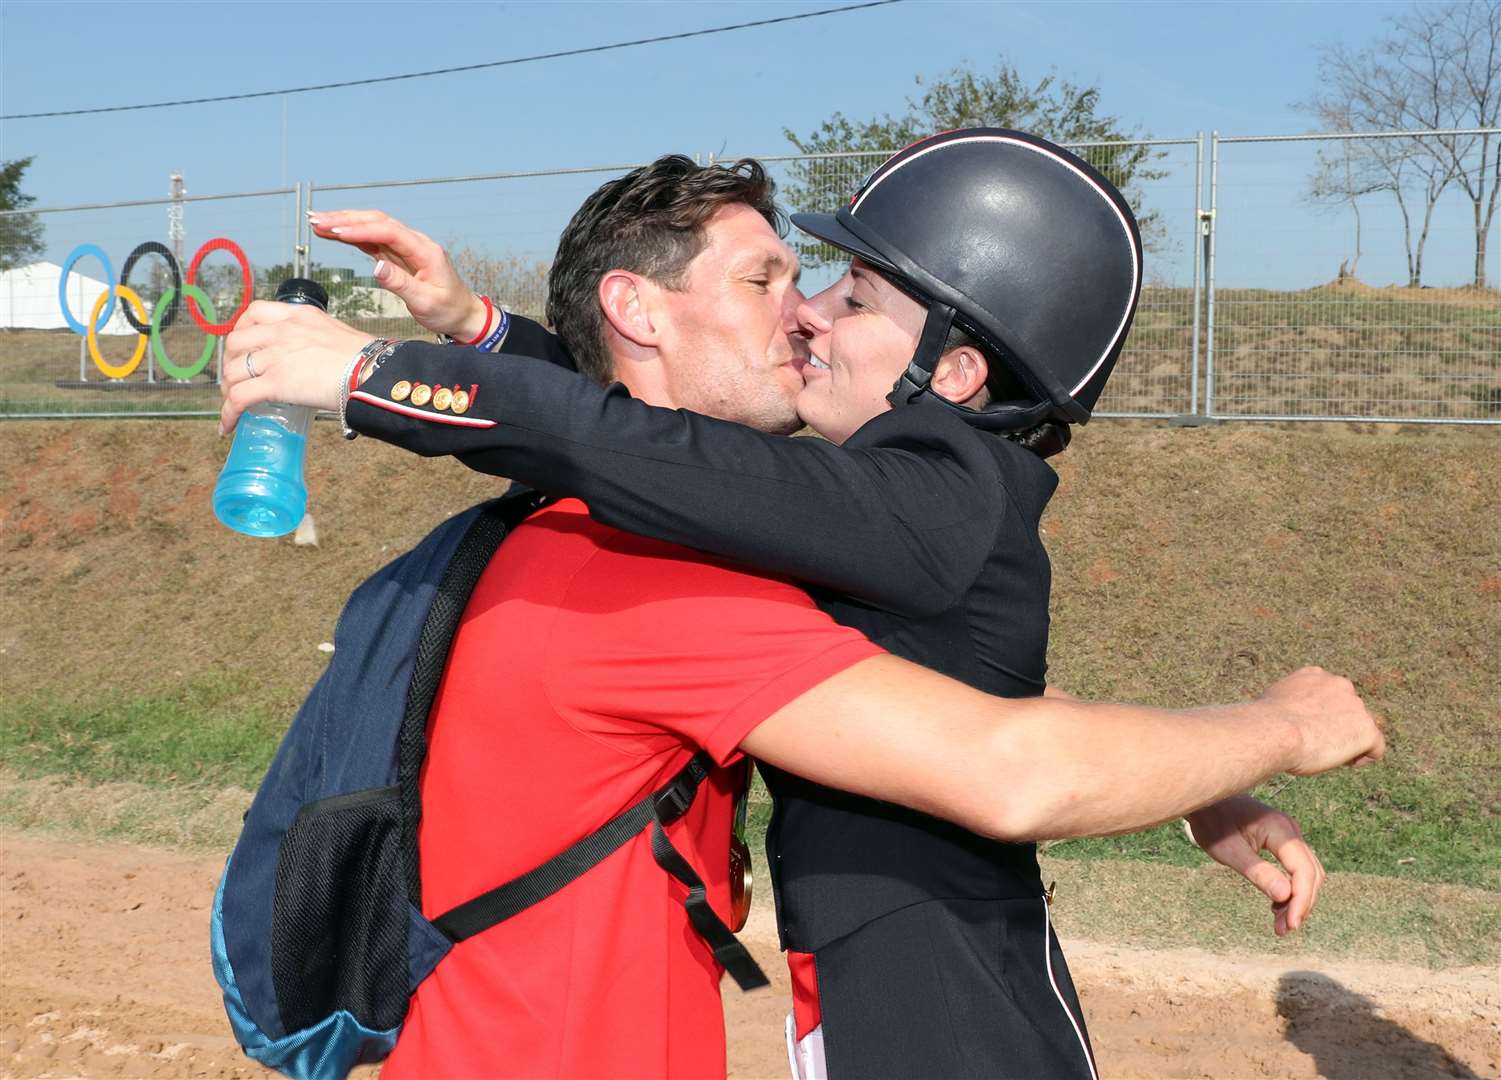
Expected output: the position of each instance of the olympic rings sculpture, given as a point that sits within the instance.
(134, 308)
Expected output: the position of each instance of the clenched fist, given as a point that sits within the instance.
(1334, 726)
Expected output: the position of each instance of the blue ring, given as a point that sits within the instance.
(62, 287)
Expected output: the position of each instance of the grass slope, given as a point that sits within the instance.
(142, 642)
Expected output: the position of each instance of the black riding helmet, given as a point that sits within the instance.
(1019, 243)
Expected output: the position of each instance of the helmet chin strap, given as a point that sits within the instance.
(919, 373)
(917, 380)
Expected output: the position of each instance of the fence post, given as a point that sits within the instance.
(1209, 237)
(303, 245)
(297, 219)
(1198, 297)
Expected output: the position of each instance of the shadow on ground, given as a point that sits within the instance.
(1338, 1028)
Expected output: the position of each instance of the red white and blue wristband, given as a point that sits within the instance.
(498, 335)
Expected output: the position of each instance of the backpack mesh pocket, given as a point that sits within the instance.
(340, 913)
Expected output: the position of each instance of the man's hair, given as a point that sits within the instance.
(651, 221)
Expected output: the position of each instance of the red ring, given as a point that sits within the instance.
(220, 243)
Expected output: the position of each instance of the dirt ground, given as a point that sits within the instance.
(104, 972)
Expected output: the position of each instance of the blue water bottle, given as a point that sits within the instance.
(260, 490)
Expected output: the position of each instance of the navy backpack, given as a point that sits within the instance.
(317, 931)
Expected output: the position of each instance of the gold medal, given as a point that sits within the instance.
(400, 391)
(442, 398)
(460, 401)
(741, 878)
(421, 394)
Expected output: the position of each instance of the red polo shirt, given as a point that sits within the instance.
(589, 667)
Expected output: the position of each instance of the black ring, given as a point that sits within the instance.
(151, 247)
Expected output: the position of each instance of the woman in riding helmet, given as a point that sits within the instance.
(994, 277)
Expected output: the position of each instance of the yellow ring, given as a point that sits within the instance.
(117, 371)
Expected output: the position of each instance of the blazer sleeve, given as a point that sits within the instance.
(901, 517)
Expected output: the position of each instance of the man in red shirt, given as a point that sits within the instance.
(591, 666)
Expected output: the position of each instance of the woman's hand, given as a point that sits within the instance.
(299, 355)
(411, 265)
(1234, 831)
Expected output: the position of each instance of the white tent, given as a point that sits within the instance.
(373, 302)
(28, 298)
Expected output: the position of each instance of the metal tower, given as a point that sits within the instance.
(174, 217)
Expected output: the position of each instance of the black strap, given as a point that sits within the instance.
(919, 373)
(732, 955)
(518, 894)
(665, 805)
(661, 807)
(460, 576)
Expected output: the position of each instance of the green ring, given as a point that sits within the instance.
(163, 305)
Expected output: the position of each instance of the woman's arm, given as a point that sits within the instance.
(904, 524)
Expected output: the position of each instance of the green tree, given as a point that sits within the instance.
(20, 234)
(1054, 108)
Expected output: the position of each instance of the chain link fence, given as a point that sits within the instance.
(499, 229)
(1299, 327)
(1253, 305)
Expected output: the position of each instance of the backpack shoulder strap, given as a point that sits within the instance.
(463, 572)
(661, 807)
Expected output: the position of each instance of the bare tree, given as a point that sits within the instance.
(1468, 36)
(1342, 176)
(1438, 67)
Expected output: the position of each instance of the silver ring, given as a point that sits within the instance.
(249, 367)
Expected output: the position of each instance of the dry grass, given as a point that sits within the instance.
(1208, 907)
(143, 642)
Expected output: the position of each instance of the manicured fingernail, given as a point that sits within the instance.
(336, 230)
(221, 429)
(311, 220)
(380, 269)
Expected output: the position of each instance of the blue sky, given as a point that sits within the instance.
(1166, 69)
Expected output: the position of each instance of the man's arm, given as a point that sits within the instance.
(1046, 768)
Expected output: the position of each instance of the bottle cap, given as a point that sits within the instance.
(298, 290)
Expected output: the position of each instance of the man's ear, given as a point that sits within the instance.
(625, 299)
(960, 374)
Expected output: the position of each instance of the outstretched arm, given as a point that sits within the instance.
(904, 526)
(1046, 768)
